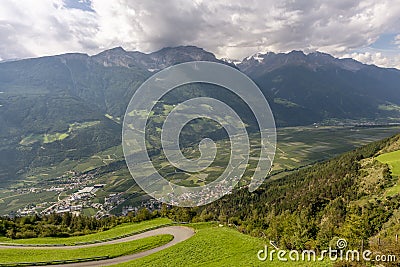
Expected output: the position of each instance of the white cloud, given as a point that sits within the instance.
(397, 40)
(377, 58)
(229, 28)
(43, 28)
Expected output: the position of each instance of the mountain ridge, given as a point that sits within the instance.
(192, 48)
(44, 96)
(312, 60)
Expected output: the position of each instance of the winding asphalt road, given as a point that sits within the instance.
(180, 233)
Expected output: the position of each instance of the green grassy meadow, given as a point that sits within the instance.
(11, 255)
(214, 246)
(393, 160)
(210, 246)
(119, 230)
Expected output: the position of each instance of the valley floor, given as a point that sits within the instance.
(56, 188)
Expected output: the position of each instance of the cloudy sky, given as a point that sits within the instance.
(368, 30)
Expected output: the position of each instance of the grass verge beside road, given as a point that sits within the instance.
(120, 230)
(214, 246)
(11, 255)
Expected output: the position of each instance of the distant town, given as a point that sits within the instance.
(83, 197)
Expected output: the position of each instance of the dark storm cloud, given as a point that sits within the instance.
(234, 28)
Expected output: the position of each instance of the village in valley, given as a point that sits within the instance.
(77, 193)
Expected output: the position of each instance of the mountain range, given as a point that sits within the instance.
(71, 106)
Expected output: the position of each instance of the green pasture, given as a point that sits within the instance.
(11, 255)
(214, 246)
(119, 230)
(393, 160)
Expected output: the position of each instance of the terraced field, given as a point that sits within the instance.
(296, 147)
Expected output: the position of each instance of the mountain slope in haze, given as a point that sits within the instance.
(42, 98)
(318, 87)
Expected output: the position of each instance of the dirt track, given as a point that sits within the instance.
(180, 234)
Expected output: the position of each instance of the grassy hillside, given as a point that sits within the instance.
(393, 160)
(120, 230)
(213, 246)
(114, 250)
(353, 196)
